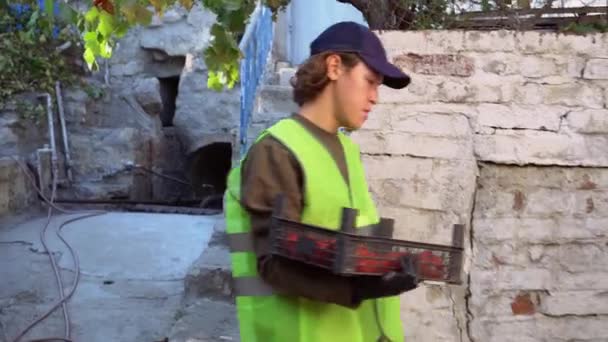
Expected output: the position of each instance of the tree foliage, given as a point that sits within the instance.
(35, 38)
(108, 20)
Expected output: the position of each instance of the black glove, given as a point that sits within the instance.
(389, 284)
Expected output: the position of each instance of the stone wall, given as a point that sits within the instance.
(147, 106)
(16, 194)
(506, 133)
(172, 47)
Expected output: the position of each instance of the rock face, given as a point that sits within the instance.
(171, 51)
(145, 114)
(16, 193)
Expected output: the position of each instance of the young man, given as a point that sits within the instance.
(318, 170)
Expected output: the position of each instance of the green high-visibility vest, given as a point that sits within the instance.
(268, 317)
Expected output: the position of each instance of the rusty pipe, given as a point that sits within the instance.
(64, 131)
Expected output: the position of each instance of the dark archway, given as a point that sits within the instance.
(209, 169)
(169, 87)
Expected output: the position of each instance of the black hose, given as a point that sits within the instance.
(63, 299)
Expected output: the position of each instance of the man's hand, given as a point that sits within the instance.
(389, 284)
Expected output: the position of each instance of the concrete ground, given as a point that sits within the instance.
(144, 278)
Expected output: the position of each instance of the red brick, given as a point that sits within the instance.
(523, 305)
(518, 200)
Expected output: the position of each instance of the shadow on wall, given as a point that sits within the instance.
(209, 167)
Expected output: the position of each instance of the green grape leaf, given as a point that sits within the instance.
(106, 24)
(105, 49)
(121, 29)
(213, 5)
(91, 14)
(89, 57)
(213, 81)
(91, 43)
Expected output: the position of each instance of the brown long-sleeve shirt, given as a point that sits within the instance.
(270, 169)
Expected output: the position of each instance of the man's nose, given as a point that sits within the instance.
(373, 98)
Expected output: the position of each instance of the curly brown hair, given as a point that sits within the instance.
(311, 77)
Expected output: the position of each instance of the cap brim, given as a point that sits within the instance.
(393, 76)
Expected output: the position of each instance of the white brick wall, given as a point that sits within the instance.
(492, 133)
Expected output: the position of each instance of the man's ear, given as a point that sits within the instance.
(334, 66)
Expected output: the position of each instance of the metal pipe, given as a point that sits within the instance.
(49, 115)
(64, 131)
(106, 74)
(39, 168)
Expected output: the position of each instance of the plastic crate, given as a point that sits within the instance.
(346, 252)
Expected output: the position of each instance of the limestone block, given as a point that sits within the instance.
(504, 304)
(498, 63)
(529, 94)
(529, 329)
(275, 99)
(396, 167)
(578, 257)
(201, 112)
(573, 94)
(413, 224)
(575, 303)
(489, 41)
(449, 126)
(589, 121)
(131, 68)
(594, 44)
(127, 49)
(380, 117)
(513, 278)
(490, 257)
(16, 191)
(545, 177)
(455, 91)
(399, 42)
(422, 89)
(531, 42)
(426, 146)
(535, 67)
(8, 141)
(538, 230)
(370, 141)
(180, 37)
(416, 194)
(522, 147)
(436, 64)
(430, 309)
(147, 94)
(492, 88)
(573, 66)
(538, 117)
(105, 152)
(568, 281)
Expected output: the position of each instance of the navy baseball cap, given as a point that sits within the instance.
(355, 38)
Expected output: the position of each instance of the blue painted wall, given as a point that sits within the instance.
(308, 18)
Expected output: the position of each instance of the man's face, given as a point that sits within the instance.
(356, 92)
